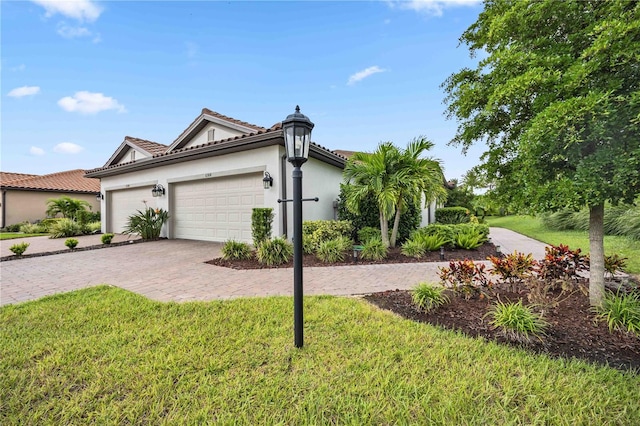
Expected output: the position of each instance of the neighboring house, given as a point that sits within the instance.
(24, 197)
(212, 177)
(428, 213)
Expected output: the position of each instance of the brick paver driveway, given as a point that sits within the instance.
(174, 270)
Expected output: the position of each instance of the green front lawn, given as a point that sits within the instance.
(14, 235)
(532, 227)
(107, 356)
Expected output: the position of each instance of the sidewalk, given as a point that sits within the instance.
(510, 241)
(45, 244)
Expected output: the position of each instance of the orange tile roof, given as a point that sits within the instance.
(344, 153)
(68, 181)
(149, 146)
(9, 176)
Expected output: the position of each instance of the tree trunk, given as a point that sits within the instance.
(396, 225)
(384, 229)
(596, 248)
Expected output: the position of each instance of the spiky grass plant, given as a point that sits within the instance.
(374, 249)
(236, 250)
(274, 252)
(621, 311)
(429, 296)
(412, 248)
(517, 322)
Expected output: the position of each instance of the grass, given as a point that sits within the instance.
(14, 235)
(107, 356)
(532, 227)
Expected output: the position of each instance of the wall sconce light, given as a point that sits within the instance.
(99, 196)
(157, 190)
(441, 253)
(267, 180)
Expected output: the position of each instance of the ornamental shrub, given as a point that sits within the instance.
(621, 312)
(147, 223)
(106, 238)
(453, 215)
(412, 248)
(317, 231)
(33, 228)
(465, 277)
(236, 250)
(274, 252)
(261, 225)
(334, 250)
(368, 232)
(374, 249)
(517, 322)
(428, 296)
(71, 243)
(64, 228)
(19, 248)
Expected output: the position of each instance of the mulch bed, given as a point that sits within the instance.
(394, 256)
(573, 330)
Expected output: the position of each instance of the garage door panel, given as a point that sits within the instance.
(124, 203)
(217, 209)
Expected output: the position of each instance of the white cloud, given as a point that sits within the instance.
(90, 103)
(67, 148)
(20, 92)
(34, 150)
(431, 7)
(361, 75)
(68, 31)
(81, 10)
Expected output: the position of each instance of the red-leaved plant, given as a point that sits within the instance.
(465, 277)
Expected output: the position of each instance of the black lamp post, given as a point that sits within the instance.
(297, 138)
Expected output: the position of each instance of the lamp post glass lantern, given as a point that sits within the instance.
(297, 138)
(267, 181)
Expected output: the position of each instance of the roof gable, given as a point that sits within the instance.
(219, 121)
(147, 148)
(67, 181)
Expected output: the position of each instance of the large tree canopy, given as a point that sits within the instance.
(556, 97)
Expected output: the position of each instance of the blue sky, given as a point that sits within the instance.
(79, 76)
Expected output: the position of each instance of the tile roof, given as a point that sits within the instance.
(9, 176)
(230, 119)
(344, 153)
(68, 181)
(149, 146)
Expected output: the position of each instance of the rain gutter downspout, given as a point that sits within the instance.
(283, 192)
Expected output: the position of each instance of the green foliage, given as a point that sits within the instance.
(19, 248)
(261, 225)
(459, 196)
(147, 223)
(368, 232)
(274, 252)
(374, 249)
(561, 220)
(517, 322)
(468, 240)
(64, 228)
(317, 231)
(49, 223)
(621, 312)
(562, 265)
(15, 227)
(71, 243)
(68, 207)
(91, 227)
(106, 238)
(446, 232)
(413, 248)
(85, 216)
(428, 296)
(236, 250)
(391, 176)
(465, 277)
(33, 228)
(452, 215)
(369, 217)
(334, 250)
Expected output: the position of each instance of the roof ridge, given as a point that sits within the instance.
(231, 119)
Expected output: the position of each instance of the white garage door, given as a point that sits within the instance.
(126, 202)
(216, 209)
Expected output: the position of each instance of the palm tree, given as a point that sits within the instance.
(66, 206)
(390, 175)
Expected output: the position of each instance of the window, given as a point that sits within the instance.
(210, 134)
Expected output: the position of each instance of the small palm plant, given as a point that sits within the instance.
(147, 223)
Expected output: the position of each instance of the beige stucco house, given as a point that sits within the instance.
(211, 177)
(24, 197)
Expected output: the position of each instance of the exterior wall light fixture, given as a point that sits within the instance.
(157, 190)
